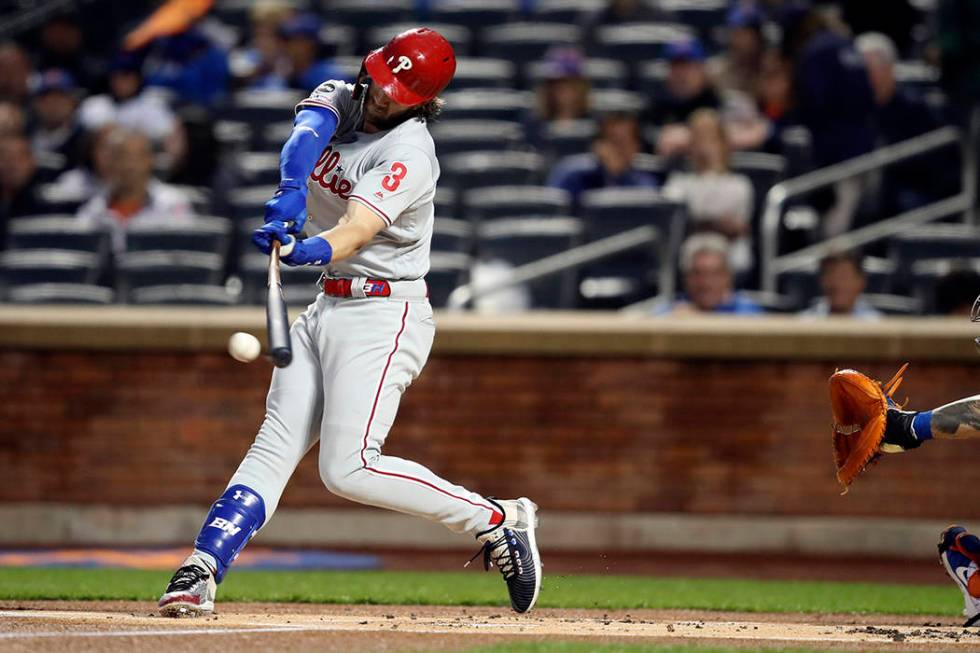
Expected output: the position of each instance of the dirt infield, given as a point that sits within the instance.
(131, 626)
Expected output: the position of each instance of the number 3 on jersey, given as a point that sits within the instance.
(398, 172)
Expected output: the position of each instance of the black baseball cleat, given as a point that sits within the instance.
(511, 547)
(190, 592)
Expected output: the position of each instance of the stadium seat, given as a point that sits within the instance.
(458, 136)
(495, 202)
(566, 11)
(936, 241)
(601, 73)
(654, 164)
(453, 236)
(475, 14)
(521, 42)
(608, 211)
(338, 40)
(272, 137)
(483, 73)
(651, 78)
(161, 268)
(763, 170)
(249, 202)
(259, 168)
(57, 232)
(189, 294)
(525, 239)
(802, 286)
(60, 293)
(917, 76)
(564, 139)
(459, 36)
(447, 271)
(637, 42)
(487, 104)
(616, 101)
(364, 15)
(927, 273)
(57, 200)
(298, 282)
(446, 202)
(203, 234)
(894, 304)
(481, 169)
(261, 106)
(29, 266)
(708, 17)
(349, 67)
(200, 197)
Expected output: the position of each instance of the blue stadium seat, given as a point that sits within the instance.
(487, 104)
(945, 241)
(261, 106)
(203, 234)
(707, 17)
(482, 73)
(495, 202)
(563, 139)
(60, 293)
(458, 136)
(451, 235)
(522, 42)
(447, 271)
(651, 78)
(57, 232)
(481, 169)
(525, 239)
(601, 73)
(162, 268)
(632, 43)
(612, 100)
(185, 294)
(29, 266)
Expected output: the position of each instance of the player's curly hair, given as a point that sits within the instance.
(429, 111)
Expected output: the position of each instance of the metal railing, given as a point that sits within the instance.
(555, 264)
(772, 264)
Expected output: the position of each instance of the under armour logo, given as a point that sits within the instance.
(404, 63)
(238, 495)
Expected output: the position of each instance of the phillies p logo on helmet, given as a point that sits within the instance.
(413, 67)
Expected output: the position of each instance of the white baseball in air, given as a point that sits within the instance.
(244, 347)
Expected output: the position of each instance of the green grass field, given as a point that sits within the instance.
(476, 588)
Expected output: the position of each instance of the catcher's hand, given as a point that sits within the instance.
(860, 406)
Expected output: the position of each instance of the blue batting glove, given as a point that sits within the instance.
(310, 251)
(288, 206)
(264, 236)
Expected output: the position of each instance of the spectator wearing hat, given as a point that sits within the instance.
(301, 45)
(61, 44)
(562, 93)
(127, 103)
(901, 115)
(708, 281)
(132, 195)
(688, 88)
(57, 133)
(842, 284)
(737, 69)
(614, 149)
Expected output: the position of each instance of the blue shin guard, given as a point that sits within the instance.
(233, 520)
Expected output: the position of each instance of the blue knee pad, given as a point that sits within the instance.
(233, 520)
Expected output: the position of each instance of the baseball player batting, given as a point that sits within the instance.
(360, 170)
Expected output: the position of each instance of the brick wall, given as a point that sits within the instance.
(586, 434)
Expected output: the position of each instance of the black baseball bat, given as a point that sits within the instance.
(277, 319)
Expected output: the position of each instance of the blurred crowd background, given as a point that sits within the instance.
(139, 141)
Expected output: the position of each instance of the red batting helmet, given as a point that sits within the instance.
(413, 67)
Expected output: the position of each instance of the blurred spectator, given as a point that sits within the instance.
(192, 152)
(900, 116)
(688, 88)
(301, 46)
(132, 194)
(61, 45)
(18, 182)
(958, 39)
(15, 73)
(842, 283)
(258, 62)
(774, 96)
(708, 281)
(127, 104)
(90, 177)
(737, 69)
(57, 133)
(12, 121)
(614, 148)
(956, 291)
(563, 94)
(192, 67)
(717, 199)
(835, 101)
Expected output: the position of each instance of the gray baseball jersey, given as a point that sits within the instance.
(393, 173)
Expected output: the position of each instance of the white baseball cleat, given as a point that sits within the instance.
(190, 592)
(512, 548)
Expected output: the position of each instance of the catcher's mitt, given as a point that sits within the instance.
(860, 406)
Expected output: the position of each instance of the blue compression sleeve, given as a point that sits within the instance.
(312, 131)
(922, 425)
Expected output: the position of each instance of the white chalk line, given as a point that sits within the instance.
(439, 626)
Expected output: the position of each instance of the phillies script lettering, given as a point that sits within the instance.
(325, 166)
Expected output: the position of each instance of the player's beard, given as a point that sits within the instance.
(374, 117)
